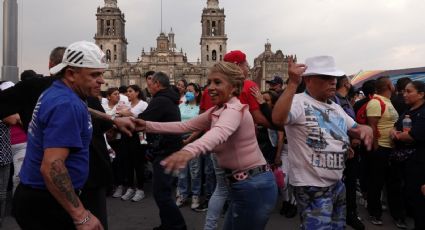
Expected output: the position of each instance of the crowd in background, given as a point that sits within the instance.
(230, 133)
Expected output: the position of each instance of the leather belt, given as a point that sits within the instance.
(243, 175)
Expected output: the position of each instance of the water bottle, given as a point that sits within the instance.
(407, 123)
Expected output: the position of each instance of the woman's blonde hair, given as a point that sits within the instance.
(233, 74)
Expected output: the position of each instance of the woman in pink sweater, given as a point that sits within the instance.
(231, 135)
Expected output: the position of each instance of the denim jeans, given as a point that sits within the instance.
(18, 153)
(209, 175)
(192, 173)
(169, 213)
(218, 198)
(251, 202)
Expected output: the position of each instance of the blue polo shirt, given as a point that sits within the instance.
(60, 120)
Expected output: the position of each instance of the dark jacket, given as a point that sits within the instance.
(163, 107)
(23, 97)
(100, 170)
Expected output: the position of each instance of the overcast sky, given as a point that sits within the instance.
(360, 34)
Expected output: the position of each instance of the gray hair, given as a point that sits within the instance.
(162, 78)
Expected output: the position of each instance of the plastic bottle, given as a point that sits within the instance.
(407, 123)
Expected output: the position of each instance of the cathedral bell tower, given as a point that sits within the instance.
(213, 38)
(110, 35)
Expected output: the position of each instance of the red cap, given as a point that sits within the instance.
(235, 56)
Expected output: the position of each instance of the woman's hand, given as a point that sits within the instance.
(177, 161)
(394, 134)
(125, 113)
(255, 91)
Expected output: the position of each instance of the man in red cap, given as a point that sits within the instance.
(239, 58)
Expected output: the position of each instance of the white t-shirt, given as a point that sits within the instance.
(317, 141)
(124, 98)
(139, 108)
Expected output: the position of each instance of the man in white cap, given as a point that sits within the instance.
(319, 132)
(57, 158)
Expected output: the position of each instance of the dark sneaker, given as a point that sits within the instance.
(375, 220)
(401, 224)
(284, 208)
(203, 207)
(355, 222)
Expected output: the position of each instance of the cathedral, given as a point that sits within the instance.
(110, 37)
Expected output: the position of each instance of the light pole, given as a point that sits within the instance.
(9, 69)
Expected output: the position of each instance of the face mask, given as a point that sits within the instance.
(190, 96)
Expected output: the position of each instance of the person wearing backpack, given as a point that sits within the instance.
(382, 118)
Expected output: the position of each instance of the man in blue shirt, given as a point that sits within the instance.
(57, 159)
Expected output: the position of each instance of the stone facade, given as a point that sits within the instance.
(110, 37)
(269, 64)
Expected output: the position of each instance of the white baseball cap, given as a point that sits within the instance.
(81, 54)
(322, 65)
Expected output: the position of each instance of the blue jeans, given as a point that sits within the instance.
(193, 169)
(209, 174)
(251, 202)
(218, 198)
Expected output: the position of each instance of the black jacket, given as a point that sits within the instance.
(163, 107)
(100, 169)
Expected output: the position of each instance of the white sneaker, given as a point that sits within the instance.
(128, 194)
(180, 201)
(118, 192)
(138, 196)
(195, 202)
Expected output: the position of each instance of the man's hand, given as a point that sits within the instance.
(350, 153)
(140, 125)
(364, 133)
(255, 92)
(125, 124)
(92, 224)
(295, 71)
(177, 161)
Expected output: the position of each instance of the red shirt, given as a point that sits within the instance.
(246, 96)
(205, 101)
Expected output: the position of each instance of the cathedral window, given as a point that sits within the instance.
(108, 55)
(214, 55)
(115, 57)
(208, 48)
(221, 57)
(115, 48)
(221, 48)
(101, 47)
(208, 57)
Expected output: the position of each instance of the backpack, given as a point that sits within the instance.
(361, 115)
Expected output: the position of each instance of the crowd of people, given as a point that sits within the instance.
(226, 147)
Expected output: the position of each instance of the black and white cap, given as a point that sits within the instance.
(82, 54)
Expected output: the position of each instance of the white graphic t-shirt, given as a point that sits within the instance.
(317, 141)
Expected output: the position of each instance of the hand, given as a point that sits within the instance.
(350, 152)
(355, 143)
(295, 71)
(278, 162)
(177, 161)
(185, 141)
(125, 113)
(423, 189)
(364, 133)
(257, 94)
(92, 224)
(125, 125)
(394, 134)
(140, 124)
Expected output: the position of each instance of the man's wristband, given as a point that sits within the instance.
(83, 221)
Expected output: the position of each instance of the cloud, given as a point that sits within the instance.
(361, 34)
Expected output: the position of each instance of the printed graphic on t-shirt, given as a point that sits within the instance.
(323, 128)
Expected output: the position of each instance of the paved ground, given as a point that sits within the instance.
(143, 215)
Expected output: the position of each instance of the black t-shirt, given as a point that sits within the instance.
(418, 128)
(23, 97)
